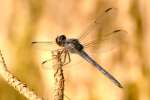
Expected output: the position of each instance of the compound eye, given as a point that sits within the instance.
(60, 40)
(62, 37)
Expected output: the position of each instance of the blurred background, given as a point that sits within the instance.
(24, 21)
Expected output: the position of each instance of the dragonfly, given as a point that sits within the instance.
(75, 46)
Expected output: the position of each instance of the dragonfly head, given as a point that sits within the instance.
(60, 40)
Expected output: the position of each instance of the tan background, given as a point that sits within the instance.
(22, 21)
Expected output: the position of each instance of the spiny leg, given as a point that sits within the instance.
(61, 51)
(69, 59)
(64, 60)
(45, 61)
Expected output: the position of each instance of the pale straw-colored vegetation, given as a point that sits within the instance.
(24, 21)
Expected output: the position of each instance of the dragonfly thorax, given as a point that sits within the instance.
(73, 45)
(60, 40)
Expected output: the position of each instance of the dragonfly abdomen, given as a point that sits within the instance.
(84, 55)
(73, 45)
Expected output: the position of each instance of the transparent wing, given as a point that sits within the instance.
(101, 24)
(43, 50)
(45, 45)
(108, 41)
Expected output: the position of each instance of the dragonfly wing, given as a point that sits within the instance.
(91, 61)
(44, 45)
(101, 24)
(108, 41)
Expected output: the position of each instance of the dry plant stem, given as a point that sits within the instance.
(58, 76)
(17, 84)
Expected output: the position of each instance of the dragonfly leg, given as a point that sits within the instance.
(69, 57)
(45, 61)
(67, 54)
(63, 54)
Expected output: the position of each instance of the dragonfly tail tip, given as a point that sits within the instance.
(33, 42)
(120, 86)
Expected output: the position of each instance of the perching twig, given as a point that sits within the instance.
(58, 76)
(17, 84)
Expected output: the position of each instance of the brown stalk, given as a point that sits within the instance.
(17, 84)
(58, 76)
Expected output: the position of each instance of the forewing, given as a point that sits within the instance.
(44, 45)
(43, 50)
(102, 24)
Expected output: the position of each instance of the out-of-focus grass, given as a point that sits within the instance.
(25, 21)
